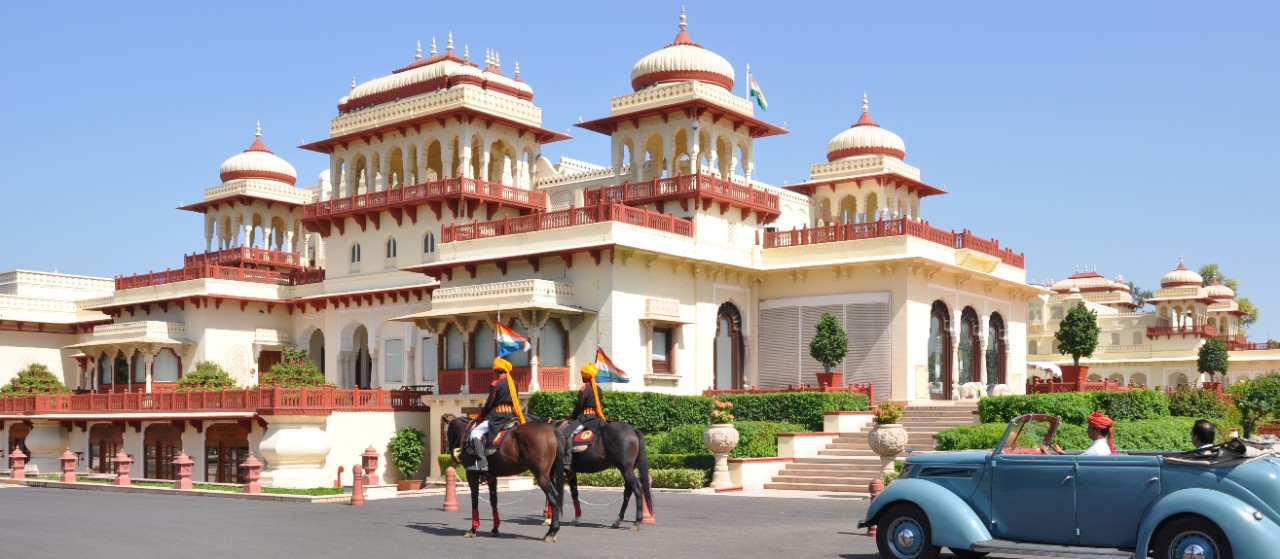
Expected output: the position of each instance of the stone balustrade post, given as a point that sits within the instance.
(357, 486)
(124, 464)
(183, 471)
(369, 462)
(252, 472)
(68, 466)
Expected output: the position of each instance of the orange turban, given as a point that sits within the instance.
(500, 364)
(1101, 421)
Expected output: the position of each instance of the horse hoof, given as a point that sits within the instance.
(617, 523)
(634, 528)
(494, 531)
(575, 522)
(471, 534)
(546, 522)
(549, 539)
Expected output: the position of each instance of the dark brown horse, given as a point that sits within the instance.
(621, 446)
(534, 446)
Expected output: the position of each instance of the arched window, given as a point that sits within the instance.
(452, 347)
(519, 358)
(355, 253)
(970, 343)
(552, 344)
(166, 367)
(940, 352)
(1137, 338)
(104, 369)
(391, 247)
(728, 348)
(428, 243)
(997, 350)
(139, 367)
(482, 348)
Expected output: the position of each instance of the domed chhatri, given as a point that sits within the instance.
(1219, 292)
(1181, 277)
(682, 60)
(258, 162)
(866, 137)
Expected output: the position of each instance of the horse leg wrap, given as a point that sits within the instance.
(475, 519)
(496, 520)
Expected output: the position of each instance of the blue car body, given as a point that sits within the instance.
(1018, 499)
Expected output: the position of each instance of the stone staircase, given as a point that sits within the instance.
(848, 464)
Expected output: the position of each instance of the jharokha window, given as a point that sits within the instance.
(661, 349)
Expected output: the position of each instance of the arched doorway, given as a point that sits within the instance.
(18, 437)
(940, 374)
(729, 348)
(105, 440)
(970, 345)
(315, 349)
(160, 446)
(363, 377)
(226, 445)
(997, 352)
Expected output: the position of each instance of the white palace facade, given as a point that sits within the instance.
(439, 217)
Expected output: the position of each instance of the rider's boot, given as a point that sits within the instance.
(482, 462)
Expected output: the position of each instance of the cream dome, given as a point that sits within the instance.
(866, 137)
(682, 60)
(258, 162)
(1219, 292)
(1084, 282)
(1181, 277)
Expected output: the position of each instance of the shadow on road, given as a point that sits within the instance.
(436, 529)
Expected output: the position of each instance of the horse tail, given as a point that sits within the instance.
(642, 464)
(557, 469)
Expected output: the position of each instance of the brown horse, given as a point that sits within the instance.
(533, 446)
(620, 446)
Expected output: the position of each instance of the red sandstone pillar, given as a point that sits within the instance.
(357, 486)
(253, 472)
(874, 488)
(450, 490)
(17, 464)
(370, 463)
(68, 466)
(183, 463)
(123, 465)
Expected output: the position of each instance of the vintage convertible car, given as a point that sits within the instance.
(1022, 498)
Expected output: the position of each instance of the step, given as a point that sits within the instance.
(836, 488)
(860, 472)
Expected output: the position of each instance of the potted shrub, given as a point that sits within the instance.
(405, 450)
(1077, 336)
(721, 438)
(828, 347)
(1212, 360)
(887, 437)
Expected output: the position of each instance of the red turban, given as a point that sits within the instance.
(1101, 421)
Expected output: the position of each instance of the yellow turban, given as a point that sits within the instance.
(500, 364)
(589, 370)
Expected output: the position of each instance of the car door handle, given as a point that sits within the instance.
(1066, 479)
(1153, 480)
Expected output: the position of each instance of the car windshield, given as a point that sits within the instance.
(1028, 433)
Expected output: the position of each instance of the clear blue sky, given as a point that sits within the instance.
(1115, 135)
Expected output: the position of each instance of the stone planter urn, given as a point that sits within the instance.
(721, 438)
(888, 440)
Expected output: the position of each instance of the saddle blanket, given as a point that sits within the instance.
(583, 439)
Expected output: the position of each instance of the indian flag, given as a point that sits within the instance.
(608, 372)
(509, 341)
(755, 92)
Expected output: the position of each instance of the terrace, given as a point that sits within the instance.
(890, 228)
(265, 401)
(245, 256)
(454, 193)
(543, 221)
(301, 276)
(701, 188)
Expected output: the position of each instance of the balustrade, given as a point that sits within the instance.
(888, 228)
(566, 218)
(265, 400)
(456, 187)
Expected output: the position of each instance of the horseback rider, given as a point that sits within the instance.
(499, 407)
(588, 413)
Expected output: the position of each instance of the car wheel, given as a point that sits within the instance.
(903, 532)
(966, 554)
(1192, 536)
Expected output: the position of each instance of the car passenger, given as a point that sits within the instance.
(1202, 435)
(1099, 429)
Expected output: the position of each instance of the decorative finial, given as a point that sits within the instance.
(353, 82)
(257, 131)
(866, 109)
(517, 69)
(488, 58)
(683, 21)
(433, 45)
(466, 53)
(417, 54)
(1095, 268)
(449, 45)
(497, 61)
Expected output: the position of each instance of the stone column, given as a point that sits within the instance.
(464, 161)
(148, 360)
(288, 241)
(295, 448)
(484, 164)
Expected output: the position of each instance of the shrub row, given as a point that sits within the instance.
(756, 439)
(704, 462)
(652, 412)
(1165, 433)
(1074, 407)
(679, 478)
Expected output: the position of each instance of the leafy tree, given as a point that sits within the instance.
(406, 450)
(1213, 358)
(294, 371)
(1210, 271)
(1078, 333)
(207, 376)
(1258, 400)
(34, 379)
(830, 344)
(1139, 294)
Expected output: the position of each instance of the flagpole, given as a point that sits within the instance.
(748, 81)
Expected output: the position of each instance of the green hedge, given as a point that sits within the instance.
(704, 462)
(652, 412)
(756, 439)
(1161, 434)
(1074, 407)
(1186, 401)
(663, 479)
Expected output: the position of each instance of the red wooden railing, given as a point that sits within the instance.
(702, 186)
(450, 381)
(1084, 386)
(244, 255)
(213, 271)
(543, 221)
(853, 387)
(265, 401)
(1201, 330)
(457, 187)
(889, 228)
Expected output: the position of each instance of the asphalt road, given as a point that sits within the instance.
(60, 523)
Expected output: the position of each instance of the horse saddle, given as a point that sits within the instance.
(494, 440)
(582, 440)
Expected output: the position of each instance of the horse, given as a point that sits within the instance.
(533, 446)
(620, 446)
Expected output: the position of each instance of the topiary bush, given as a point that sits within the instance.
(1195, 402)
(34, 379)
(207, 376)
(406, 450)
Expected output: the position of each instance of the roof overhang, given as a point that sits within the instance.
(811, 187)
(543, 135)
(694, 109)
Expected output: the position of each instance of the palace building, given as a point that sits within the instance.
(438, 218)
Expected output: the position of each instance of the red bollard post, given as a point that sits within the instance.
(183, 463)
(17, 464)
(68, 466)
(357, 486)
(370, 459)
(646, 514)
(874, 488)
(252, 474)
(123, 465)
(450, 490)
(338, 482)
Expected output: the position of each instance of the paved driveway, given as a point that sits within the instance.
(60, 523)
